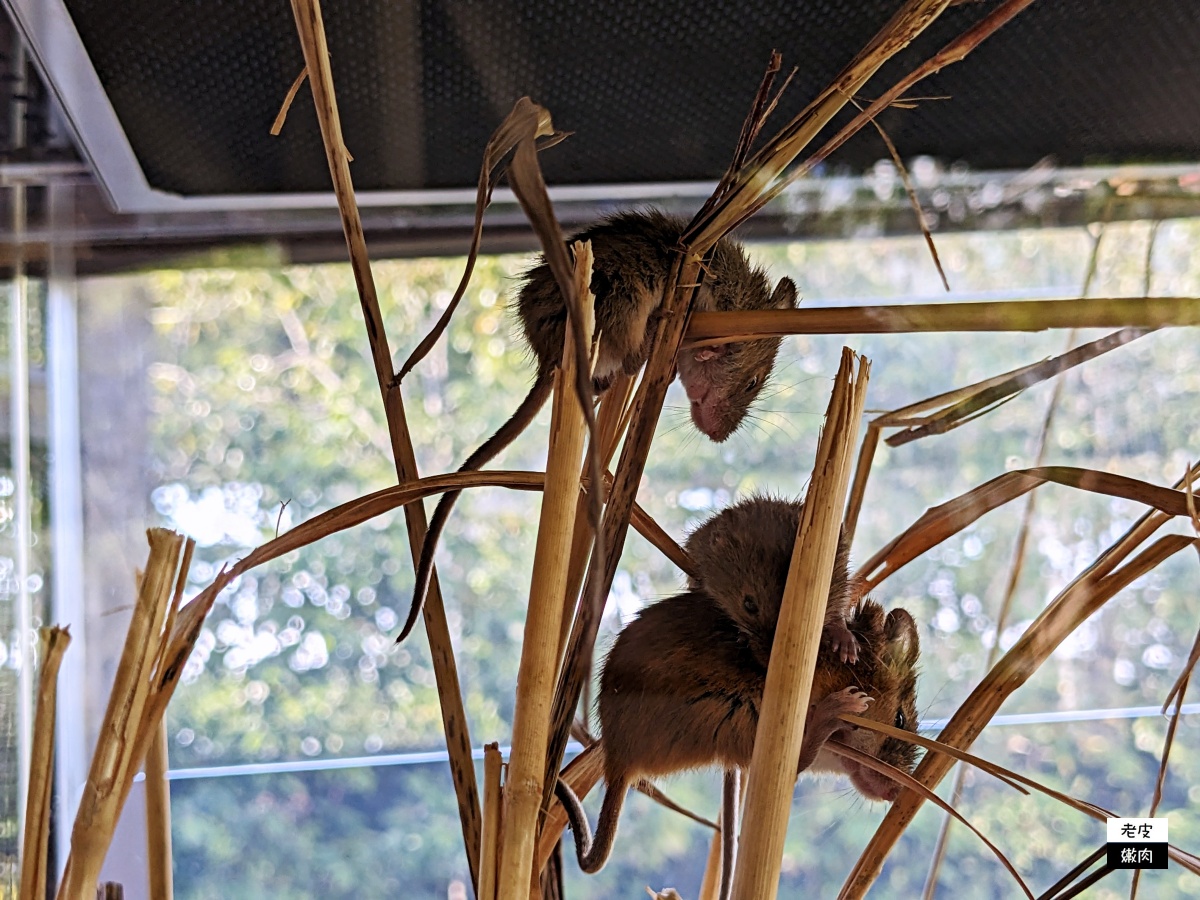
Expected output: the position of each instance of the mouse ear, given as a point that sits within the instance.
(903, 644)
(784, 296)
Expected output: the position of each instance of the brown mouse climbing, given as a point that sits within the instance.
(741, 558)
(682, 687)
(632, 258)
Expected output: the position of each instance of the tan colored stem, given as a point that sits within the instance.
(797, 639)
(711, 884)
(493, 799)
(538, 670)
(311, 32)
(36, 841)
(158, 816)
(1006, 315)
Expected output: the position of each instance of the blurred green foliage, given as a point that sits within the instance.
(264, 397)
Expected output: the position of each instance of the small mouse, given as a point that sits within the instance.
(682, 686)
(632, 254)
(741, 557)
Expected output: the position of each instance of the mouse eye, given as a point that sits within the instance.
(749, 605)
(901, 721)
(753, 383)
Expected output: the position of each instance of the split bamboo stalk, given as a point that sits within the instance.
(797, 640)
(539, 650)
(610, 425)
(311, 30)
(158, 816)
(1005, 315)
(1078, 600)
(493, 801)
(114, 759)
(35, 843)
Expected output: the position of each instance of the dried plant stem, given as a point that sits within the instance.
(797, 639)
(116, 757)
(539, 650)
(711, 884)
(158, 816)
(610, 424)
(858, 487)
(36, 840)
(311, 31)
(1006, 315)
(493, 804)
(1082, 597)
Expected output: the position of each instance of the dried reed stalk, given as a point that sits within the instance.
(539, 650)
(1007, 315)
(951, 517)
(493, 803)
(797, 639)
(983, 401)
(116, 757)
(311, 32)
(710, 885)
(158, 817)
(611, 422)
(35, 843)
(1082, 597)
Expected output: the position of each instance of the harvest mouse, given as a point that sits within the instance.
(632, 258)
(741, 557)
(681, 688)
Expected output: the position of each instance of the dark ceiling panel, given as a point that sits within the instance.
(654, 90)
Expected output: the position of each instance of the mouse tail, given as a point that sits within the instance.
(505, 435)
(593, 851)
(730, 804)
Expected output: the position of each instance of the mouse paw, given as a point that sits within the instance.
(851, 700)
(841, 641)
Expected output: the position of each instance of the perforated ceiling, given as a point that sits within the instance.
(654, 90)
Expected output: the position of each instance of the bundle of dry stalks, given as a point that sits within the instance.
(157, 644)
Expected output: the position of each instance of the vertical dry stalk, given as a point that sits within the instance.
(36, 842)
(493, 800)
(311, 30)
(158, 816)
(711, 884)
(539, 650)
(1078, 600)
(610, 423)
(797, 640)
(114, 762)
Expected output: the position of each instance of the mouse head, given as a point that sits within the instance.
(741, 558)
(889, 674)
(723, 380)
